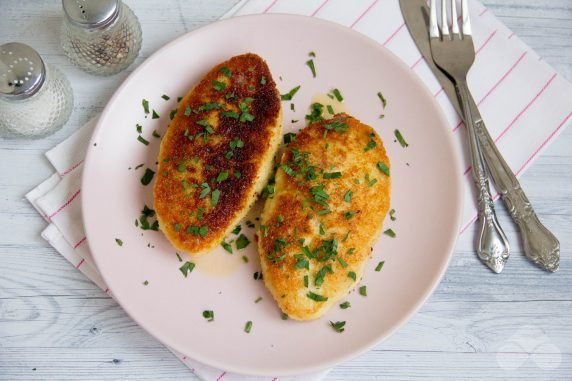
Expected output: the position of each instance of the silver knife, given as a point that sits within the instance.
(540, 245)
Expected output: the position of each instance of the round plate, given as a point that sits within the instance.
(426, 196)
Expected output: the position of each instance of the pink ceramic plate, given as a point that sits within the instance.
(426, 195)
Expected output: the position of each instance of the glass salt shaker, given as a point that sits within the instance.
(101, 37)
(36, 99)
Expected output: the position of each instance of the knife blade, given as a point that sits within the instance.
(540, 245)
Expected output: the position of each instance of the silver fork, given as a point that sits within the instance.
(454, 53)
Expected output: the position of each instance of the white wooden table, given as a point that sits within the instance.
(56, 325)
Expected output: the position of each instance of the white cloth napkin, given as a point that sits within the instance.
(523, 101)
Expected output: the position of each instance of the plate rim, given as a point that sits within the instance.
(436, 279)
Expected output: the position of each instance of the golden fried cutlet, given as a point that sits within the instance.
(331, 196)
(217, 153)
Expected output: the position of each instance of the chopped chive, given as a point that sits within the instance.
(342, 262)
(155, 115)
(145, 104)
(338, 95)
(379, 266)
(322, 232)
(263, 80)
(209, 315)
(223, 175)
(289, 95)
(332, 175)
(345, 305)
(165, 97)
(370, 145)
(179, 257)
(264, 230)
(156, 134)
(226, 71)
(348, 195)
(215, 196)
(310, 63)
(245, 259)
(237, 229)
(306, 281)
(352, 275)
(188, 110)
(383, 167)
(349, 214)
(258, 300)
(172, 114)
(225, 245)
(230, 114)
(363, 290)
(205, 190)
(177, 227)
(338, 326)
(139, 128)
(289, 171)
(147, 176)
(392, 215)
(390, 233)
(142, 140)
(289, 137)
(203, 231)
(242, 242)
(400, 139)
(330, 109)
(219, 86)
(248, 326)
(316, 297)
(382, 99)
(119, 242)
(187, 268)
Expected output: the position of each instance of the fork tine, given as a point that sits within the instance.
(454, 21)
(466, 20)
(433, 26)
(444, 22)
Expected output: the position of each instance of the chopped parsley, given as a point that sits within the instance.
(198, 230)
(263, 80)
(289, 95)
(139, 128)
(382, 99)
(237, 229)
(226, 71)
(316, 111)
(320, 275)
(316, 297)
(223, 175)
(147, 176)
(289, 171)
(330, 109)
(156, 134)
(301, 262)
(390, 233)
(209, 315)
(119, 242)
(338, 326)
(342, 262)
(348, 195)
(205, 190)
(349, 214)
(143, 220)
(245, 259)
(332, 175)
(188, 111)
(370, 145)
(219, 86)
(379, 266)
(187, 268)
(283, 316)
(264, 230)
(143, 140)
(225, 245)
(337, 125)
(215, 196)
(306, 281)
(145, 104)
(400, 139)
(165, 97)
(289, 137)
(242, 242)
(383, 167)
(248, 326)
(155, 115)
(345, 305)
(363, 290)
(230, 114)
(310, 64)
(352, 275)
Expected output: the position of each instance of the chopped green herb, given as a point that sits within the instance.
(165, 97)
(337, 125)
(370, 145)
(351, 250)
(155, 115)
(257, 275)
(156, 134)
(345, 305)
(383, 167)
(382, 99)
(400, 139)
(363, 290)
(379, 266)
(302, 262)
(230, 114)
(142, 140)
(225, 245)
(312, 54)
(210, 106)
(310, 63)
(179, 257)
(348, 195)
(146, 283)
(179, 99)
(330, 109)
(392, 215)
(242, 242)
(338, 326)
(264, 230)
(219, 86)
(223, 175)
(349, 214)
(289, 95)
(237, 174)
(342, 262)
(332, 175)
(316, 111)
(200, 212)
(226, 71)
(283, 316)
(205, 190)
(203, 231)
(263, 80)
(119, 242)
(209, 315)
(322, 232)
(198, 230)
(320, 275)
(289, 137)
(289, 171)
(390, 233)
(336, 93)
(352, 275)
(215, 196)
(177, 227)
(258, 300)
(237, 229)
(188, 111)
(139, 128)
(316, 297)
(145, 104)
(147, 176)
(245, 259)
(292, 107)
(306, 281)
(246, 117)
(187, 268)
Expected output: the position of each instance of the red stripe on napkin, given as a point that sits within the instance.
(363, 14)
(65, 205)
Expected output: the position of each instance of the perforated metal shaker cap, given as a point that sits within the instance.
(22, 71)
(91, 14)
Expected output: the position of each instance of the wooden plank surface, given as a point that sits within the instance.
(56, 325)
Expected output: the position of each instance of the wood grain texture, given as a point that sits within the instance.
(56, 325)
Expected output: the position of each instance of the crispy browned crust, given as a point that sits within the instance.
(293, 204)
(186, 160)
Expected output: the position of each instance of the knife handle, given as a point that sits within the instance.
(540, 245)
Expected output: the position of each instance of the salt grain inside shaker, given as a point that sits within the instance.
(102, 37)
(36, 99)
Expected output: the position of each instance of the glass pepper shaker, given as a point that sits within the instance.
(102, 37)
(36, 99)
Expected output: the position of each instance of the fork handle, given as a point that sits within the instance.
(492, 245)
(540, 245)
